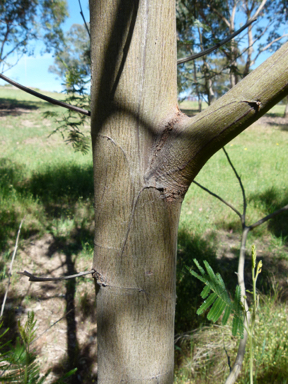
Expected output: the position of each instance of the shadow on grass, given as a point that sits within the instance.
(275, 375)
(16, 107)
(274, 114)
(9, 319)
(56, 192)
(271, 200)
(77, 357)
(62, 184)
(282, 125)
(81, 357)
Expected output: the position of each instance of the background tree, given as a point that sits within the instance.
(25, 21)
(73, 54)
(217, 18)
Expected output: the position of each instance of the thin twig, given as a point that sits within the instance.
(41, 334)
(219, 198)
(82, 14)
(10, 268)
(38, 278)
(259, 222)
(237, 366)
(209, 50)
(243, 216)
(228, 357)
(46, 98)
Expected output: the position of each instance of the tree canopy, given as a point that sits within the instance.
(74, 52)
(203, 24)
(23, 22)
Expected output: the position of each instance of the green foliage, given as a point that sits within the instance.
(18, 363)
(73, 53)
(203, 24)
(70, 124)
(201, 356)
(219, 299)
(24, 21)
(73, 65)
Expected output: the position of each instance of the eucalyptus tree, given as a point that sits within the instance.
(23, 22)
(209, 21)
(73, 53)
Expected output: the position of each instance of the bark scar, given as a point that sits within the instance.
(255, 104)
(100, 279)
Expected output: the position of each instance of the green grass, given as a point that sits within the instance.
(192, 107)
(211, 231)
(41, 177)
(201, 356)
(45, 181)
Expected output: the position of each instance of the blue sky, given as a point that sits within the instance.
(32, 71)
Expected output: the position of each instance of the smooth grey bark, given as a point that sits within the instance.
(146, 154)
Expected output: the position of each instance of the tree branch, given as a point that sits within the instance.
(261, 6)
(200, 136)
(268, 217)
(38, 278)
(236, 369)
(221, 17)
(219, 198)
(10, 268)
(209, 50)
(46, 98)
(241, 186)
(272, 42)
(82, 14)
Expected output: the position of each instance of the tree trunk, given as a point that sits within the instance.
(134, 99)
(146, 153)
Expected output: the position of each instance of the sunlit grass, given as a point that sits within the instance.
(202, 358)
(41, 177)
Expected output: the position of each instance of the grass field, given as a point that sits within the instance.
(44, 181)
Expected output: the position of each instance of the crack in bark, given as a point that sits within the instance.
(114, 142)
(106, 246)
(130, 221)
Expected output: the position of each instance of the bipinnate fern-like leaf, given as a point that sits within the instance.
(18, 363)
(216, 296)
